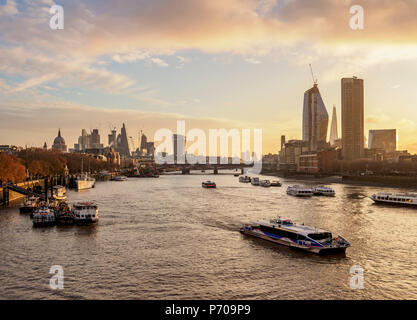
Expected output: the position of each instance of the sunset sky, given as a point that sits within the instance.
(214, 63)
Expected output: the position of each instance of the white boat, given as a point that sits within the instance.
(43, 216)
(402, 199)
(299, 191)
(85, 213)
(59, 193)
(84, 181)
(244, 179)
(276, 184)
(120, 178)
(208, 184)
(29, 205)
(265, 183)
(254, 181)
(285, 232)
(323, 191)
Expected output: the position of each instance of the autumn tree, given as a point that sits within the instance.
(11, 169)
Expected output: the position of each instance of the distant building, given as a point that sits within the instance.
(315, 119)
(59, 143)
(334, 135)
(112, 138)
(269, 162)
(113, 157)
(143, 144)
(150, 148)
(88, 141)
(289, 156)
(178, 142)
(309, 163)
(45, 146)
(122, 144)
(352, 118)
(383, 139)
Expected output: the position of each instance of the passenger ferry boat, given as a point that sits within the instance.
(265, 183)
(244, 179)
(299, 191)
(59, 193)
(43, 216)
(29, 205)
(85, 182)
(254, 181)
(85, 213)
(63, 215)
(406, 199)
(276, 184)
(285, 232)
(208, 184)
(323, 191)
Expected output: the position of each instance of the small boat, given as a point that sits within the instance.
(85, 213)
(244, 179)
(265, 183)
(84, 181)
(236, 175)
(299, 191)
(119, 178)
(43, 216)
(285, 232)
(59, 193)
(401, 199)
(208, 184)
(63, 215)
(254, 181)
(276, 184)
(323, 191)
(29, 205)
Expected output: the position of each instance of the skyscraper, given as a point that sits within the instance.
(383, 139)
(333, 128)
(352, 118)
(315, 119)
(122, 145)
(178, 142)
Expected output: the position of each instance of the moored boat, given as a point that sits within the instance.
(401, 199)
(323, 191)
(29, 205)
(119, 178)
(299, 191)
(244, 179)
(85, 213)
(84, 181)
(276, 184)
(265, 183)
(285, 232)
(254, 181)
(43, 216)
(63, 215)
(208, 184)
(59, 193)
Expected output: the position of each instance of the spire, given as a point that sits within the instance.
(333, 129)
(59, 132)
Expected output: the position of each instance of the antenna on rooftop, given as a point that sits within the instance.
(312, 75)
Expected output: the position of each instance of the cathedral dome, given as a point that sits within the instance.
(59, 143)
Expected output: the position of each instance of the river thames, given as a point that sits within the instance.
(169, 238)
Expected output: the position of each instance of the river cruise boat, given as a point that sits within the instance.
(29, 205)
(63, 215)
(254, 181)
(85, 213)
(84, 181)
(402, 199)
(323, 191)
(244, 179)
(208, 184)
(59, 193)
(276, 184)
(120, 178)
(285, 232)
(265, 183)
(299, 191)
(43, 216)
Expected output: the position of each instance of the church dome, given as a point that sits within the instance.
(59, 140)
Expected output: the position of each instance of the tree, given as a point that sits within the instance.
(11, 169)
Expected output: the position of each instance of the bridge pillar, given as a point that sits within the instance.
(6, 196)
(215, 171)
(242, 171)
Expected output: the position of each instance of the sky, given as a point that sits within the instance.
(213, 63)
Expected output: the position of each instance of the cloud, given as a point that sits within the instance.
(159, 62)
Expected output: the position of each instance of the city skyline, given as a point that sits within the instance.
(78, 78)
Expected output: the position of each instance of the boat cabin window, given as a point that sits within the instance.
(320, 236)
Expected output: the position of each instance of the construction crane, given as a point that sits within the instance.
(312, 75)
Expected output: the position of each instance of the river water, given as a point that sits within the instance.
(169, 238)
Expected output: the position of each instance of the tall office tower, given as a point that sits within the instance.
(143, 143)
(352, 118)
(383, 139)
(122, 143)
(95, 139)
(112, 139)
(333, 128)
(282, 142)
(315, 119)
(178, 142)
